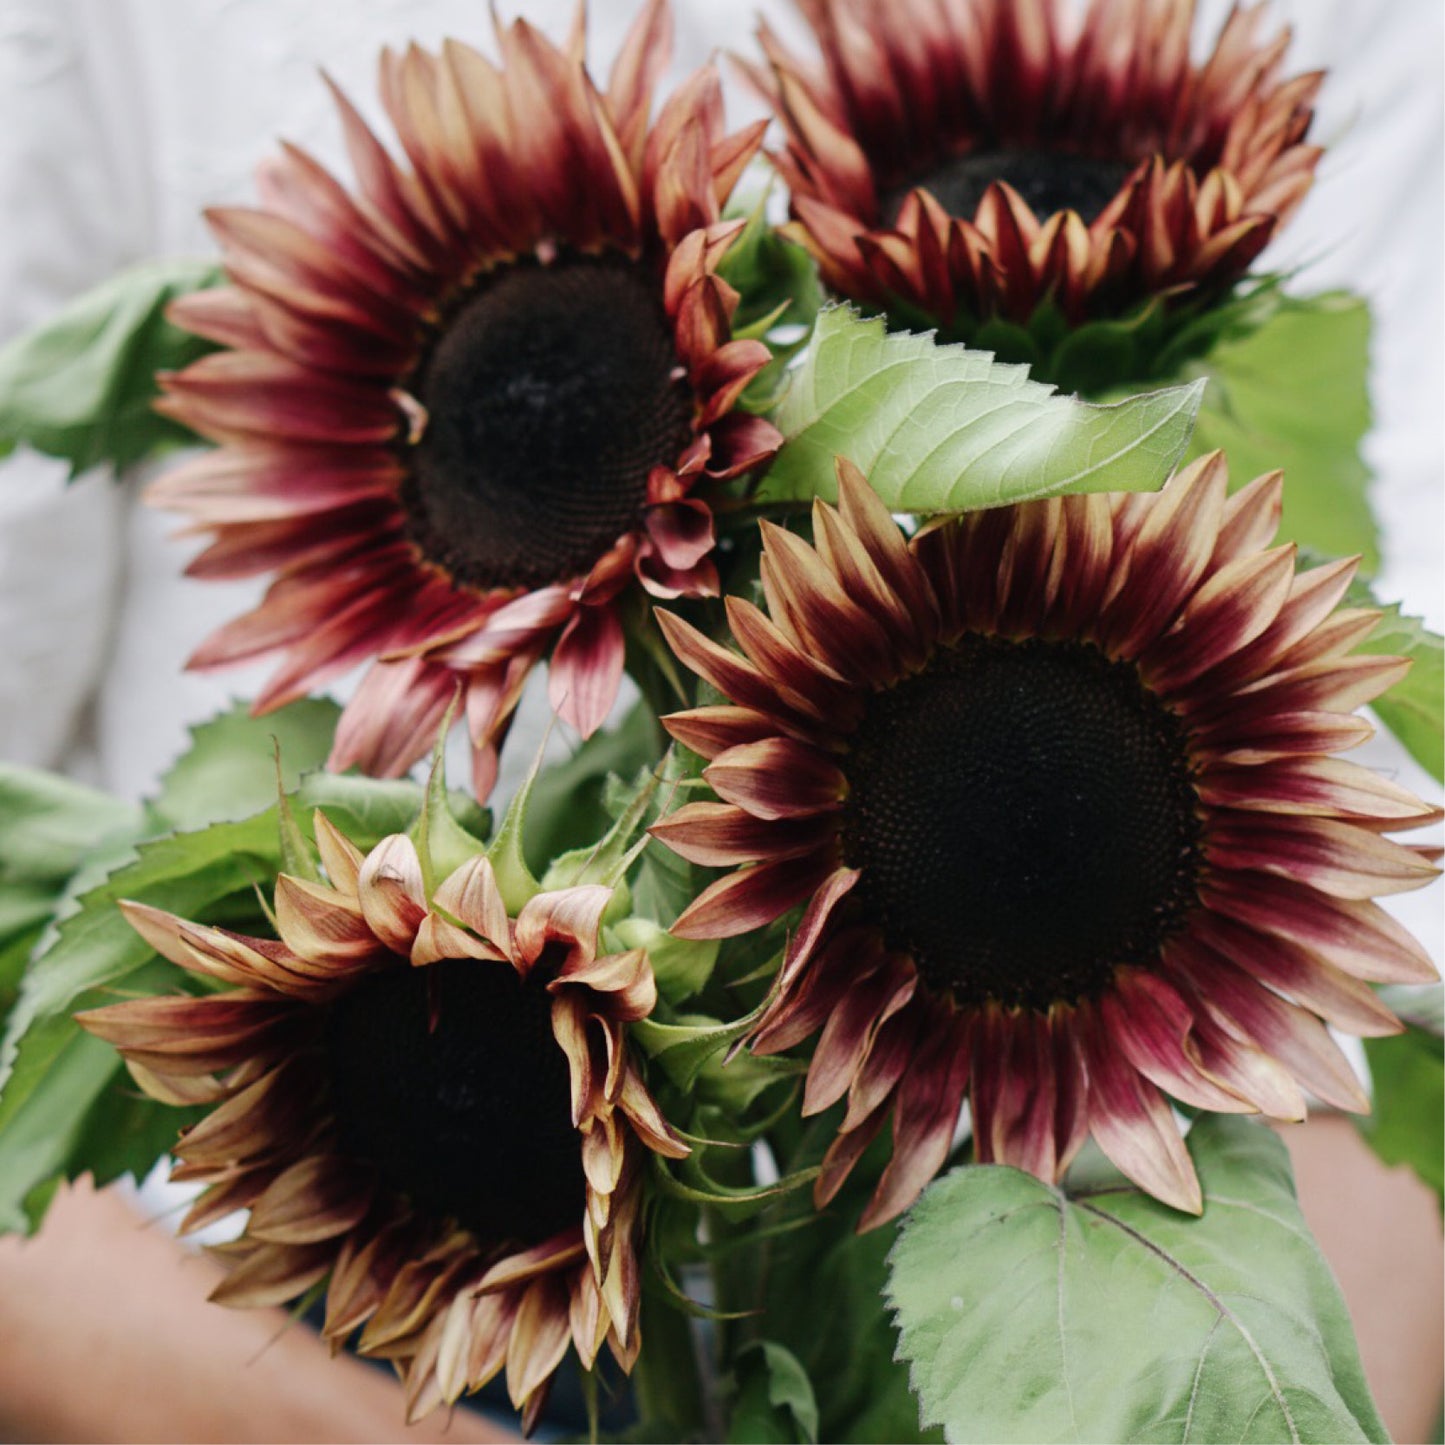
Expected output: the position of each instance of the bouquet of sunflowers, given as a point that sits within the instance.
(854, 1032)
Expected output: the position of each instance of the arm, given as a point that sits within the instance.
(109, 1336)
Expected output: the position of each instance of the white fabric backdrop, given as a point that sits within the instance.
(121, 119)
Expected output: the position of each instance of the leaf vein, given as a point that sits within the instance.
(1192, 1279)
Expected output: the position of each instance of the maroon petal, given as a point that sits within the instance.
(719, 835)
(586, 668)
(1150, 1024)
(925, 1117)
(751, 897)
(776, 778)
(1133, 1125)
(1357, 936)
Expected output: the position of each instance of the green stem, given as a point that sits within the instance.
(665, 1377)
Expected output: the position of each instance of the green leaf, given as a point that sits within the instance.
(96, 949)
(1414, 709)
(80, 386)
(775, 1400)
(1028, 1315)
(48, 824)
(1293, 394)
(229, 770)
(1407, 1123)
(821, 1289)
(940, 428)
(49, 828)
(365, 809)
(43, 1123)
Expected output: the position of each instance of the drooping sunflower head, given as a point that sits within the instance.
(465, 404)
(426, 1103)
(1057, 785)
(974, 161)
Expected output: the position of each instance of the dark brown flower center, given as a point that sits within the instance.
(550, 395)
(449, 1082)
(1024, 819)
(1048, 180)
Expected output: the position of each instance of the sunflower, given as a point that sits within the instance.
(956, 161)
(428, 1104)
(1056, 784)
(464, 407)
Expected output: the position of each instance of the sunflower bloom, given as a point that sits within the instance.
(1056, 783)
(463, 408)
(960, 160)
(429, 1105)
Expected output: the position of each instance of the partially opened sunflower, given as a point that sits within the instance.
(424, 1103)
(1057, 786)
(467, 407)
(955, 162)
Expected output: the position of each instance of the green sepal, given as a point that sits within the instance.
(567, 808)
(734, 1085)
(1147, 346)
(682, 1049)
(670, 1239)
(443, 842)
(298, 853)
(80, 386)
(608, 861)
(779, 297)
(514, 878)
(682, 966)
(692, 1183)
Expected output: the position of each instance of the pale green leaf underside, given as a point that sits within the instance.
(943, 429)
(1029, 1315)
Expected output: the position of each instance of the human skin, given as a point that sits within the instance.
(1380, 1231)
(108, 1336)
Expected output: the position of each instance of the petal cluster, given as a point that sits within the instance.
(337, 297)
(1214, 152)
(451, 1310)
(1253, 660)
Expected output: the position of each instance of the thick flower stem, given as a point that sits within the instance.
(666, 1378)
